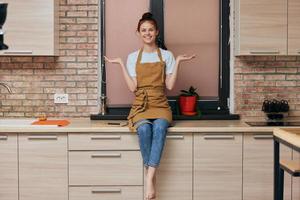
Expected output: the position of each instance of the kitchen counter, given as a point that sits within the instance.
(289, 136)
(78, 125)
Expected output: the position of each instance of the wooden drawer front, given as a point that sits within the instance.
(258, 167)
(105, 168)
(106, 193)
(293, 28)
(37, 35)
(8, 167)
(105, 141)
(175, 174)
(218, 167)
(43, 167)
(262, 27)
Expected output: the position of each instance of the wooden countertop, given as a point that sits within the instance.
(78, 125)
(289, 135)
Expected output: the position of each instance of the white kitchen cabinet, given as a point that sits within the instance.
(175, 173)
(31, 27)
(258, 156)
(43, 167)
(8, 167)
(261, 27)
(218, 166)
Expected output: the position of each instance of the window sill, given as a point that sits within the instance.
(175, 117)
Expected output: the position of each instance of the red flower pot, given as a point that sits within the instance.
(187, 104)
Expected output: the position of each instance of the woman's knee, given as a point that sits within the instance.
(144, 128)
(161, 125)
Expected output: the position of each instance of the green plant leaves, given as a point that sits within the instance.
(190, 92)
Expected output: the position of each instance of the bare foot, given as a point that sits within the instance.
(150, 193)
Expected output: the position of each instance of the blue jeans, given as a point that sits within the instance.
(152, 136)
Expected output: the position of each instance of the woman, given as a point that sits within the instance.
(149, 71)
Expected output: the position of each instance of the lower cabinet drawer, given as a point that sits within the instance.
(106, 193)
(105, 168)
(103, 141)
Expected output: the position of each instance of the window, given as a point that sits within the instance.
(181, 31)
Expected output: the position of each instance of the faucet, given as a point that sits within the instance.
(6, 86)
(103, 108)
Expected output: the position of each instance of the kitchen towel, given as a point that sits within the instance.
(52, 122)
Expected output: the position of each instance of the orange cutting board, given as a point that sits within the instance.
(52, 122)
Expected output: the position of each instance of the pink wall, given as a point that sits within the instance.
(193, 28)
(184, 33)
(121, 39)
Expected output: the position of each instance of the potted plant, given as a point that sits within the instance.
(188, 101)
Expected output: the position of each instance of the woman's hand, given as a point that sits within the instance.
(131, 82)
(184, 57)
(114, 60)
(171, 79)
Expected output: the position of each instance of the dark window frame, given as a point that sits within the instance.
(217, 106)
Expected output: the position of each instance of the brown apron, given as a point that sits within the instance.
(150, 99)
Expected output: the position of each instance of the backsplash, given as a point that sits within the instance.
(34, 80)
(257, 78)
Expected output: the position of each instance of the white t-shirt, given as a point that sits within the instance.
(167, 57)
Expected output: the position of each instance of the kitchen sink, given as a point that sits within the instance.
(21, 123)
(16, 122)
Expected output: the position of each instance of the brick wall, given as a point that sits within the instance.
(266, 77)
(34, 80)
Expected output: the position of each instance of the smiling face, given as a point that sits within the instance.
(148, 32)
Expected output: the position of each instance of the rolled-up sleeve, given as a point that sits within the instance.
(170, 63)
(130, 65)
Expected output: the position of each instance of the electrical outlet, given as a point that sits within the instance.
(61, 98)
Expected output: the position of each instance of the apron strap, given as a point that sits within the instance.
(159, 55)
(163, 76)
(140, 56)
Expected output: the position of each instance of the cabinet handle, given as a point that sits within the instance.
(3, 137)
(42, 137)
(178, 137)
(263, 137)
(218, 137)
(108, 190)
(114, 155)
(18, 52)
(106, 137)
(265, 52)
